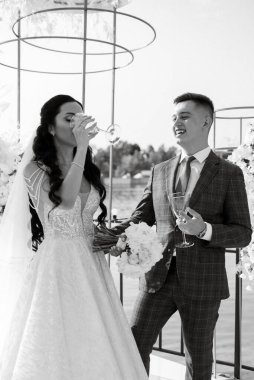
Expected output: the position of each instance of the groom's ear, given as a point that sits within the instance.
(208, 122)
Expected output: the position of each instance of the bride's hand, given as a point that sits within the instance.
(120, 246)
(82, 134)
(115, 251)
(122, 242)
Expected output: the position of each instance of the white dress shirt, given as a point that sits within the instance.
(196, 167)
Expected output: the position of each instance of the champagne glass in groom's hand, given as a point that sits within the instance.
(179, 202)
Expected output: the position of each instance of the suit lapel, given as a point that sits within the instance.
(170, 174)
(209, 170)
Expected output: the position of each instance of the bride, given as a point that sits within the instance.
(60, 315)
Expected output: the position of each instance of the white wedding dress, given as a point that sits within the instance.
(69, 323)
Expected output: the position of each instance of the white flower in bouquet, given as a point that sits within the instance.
(145, 250)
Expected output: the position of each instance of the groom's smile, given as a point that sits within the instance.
(179, 132)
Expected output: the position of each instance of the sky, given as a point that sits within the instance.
(202, 46)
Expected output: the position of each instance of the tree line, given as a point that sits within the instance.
(131, 159)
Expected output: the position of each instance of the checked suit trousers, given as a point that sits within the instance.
(153, 310)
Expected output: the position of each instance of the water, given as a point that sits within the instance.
(125, 199)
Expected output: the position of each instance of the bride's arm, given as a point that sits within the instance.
(37, 181)
(71, 184)
(70, 187)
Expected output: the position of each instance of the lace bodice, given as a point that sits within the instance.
(74, 222)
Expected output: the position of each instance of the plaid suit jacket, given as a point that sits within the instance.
(220, 198)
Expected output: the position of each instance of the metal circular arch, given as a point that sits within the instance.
(72, 38)
(89, 9)
(233, 117)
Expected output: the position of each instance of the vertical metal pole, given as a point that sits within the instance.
(214, 129)
(121, 288)
(112, 117)
(214, 355)
(111, 146)
(160, 340)
(238, 323)
(241, 130)
(19, 77)
(84, 57)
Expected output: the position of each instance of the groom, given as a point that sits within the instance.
(191, 280)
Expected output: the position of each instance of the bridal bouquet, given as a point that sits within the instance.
(143, 250)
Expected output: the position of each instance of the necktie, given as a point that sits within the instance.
(183, 180)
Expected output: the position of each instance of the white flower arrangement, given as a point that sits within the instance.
(243, 156)
(9, 159)
(245, 267)
(145, 250)
(60, 22)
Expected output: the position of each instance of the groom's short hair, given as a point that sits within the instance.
(200, 100)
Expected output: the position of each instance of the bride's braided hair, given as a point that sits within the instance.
(45, 153)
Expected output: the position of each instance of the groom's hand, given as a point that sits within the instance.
(191, 225)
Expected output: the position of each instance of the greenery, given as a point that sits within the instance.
(131, 159)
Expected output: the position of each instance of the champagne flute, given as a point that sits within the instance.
(179, 202)
(112, 133)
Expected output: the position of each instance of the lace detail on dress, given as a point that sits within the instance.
(71, 223)
(63, 223)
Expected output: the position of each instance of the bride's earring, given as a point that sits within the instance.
(52, 133)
